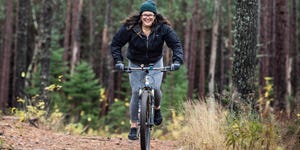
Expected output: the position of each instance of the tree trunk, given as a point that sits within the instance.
(229, 44)
(294, 48)
(104, 41)
(264, 42)
(193, 50)
(6, 57)
(13, 102)
(273, 35)
(22, 46)
(244, 62)
(201, 85)
(76, 14)
(36, 51)
(213, 55)
(114, 80)
(45, 30)
(187, 41)
(167, 53)
(281, 55)
(220, 78)
(91, 33)
(66, 55)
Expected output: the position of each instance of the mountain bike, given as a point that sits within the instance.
(146, 104)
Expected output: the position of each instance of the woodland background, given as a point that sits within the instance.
(55, 58)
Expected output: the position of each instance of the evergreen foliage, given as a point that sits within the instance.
(116, 121)
(57, 66)
(82, 90)
(57, 69)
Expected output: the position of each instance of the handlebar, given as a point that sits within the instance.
(162, 69)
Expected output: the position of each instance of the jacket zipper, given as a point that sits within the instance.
(147, 47)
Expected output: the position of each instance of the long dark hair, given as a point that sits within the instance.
(136, 19)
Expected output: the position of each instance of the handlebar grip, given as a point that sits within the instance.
(167, 68)
(127, 70)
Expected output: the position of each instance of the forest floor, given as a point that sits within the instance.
(22, 135)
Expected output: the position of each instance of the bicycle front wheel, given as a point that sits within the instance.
(144, 121)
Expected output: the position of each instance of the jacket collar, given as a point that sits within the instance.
(137, 29)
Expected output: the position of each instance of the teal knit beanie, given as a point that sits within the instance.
(149, 5)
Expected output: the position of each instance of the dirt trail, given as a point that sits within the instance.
(19, 135)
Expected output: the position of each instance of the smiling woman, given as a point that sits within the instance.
(146, 34)
(147, 20)
(147, 12)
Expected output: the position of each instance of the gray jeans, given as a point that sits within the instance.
(136, 81)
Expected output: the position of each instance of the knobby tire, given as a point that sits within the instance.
(144, 118)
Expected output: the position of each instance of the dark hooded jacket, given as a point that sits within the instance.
(143, 49)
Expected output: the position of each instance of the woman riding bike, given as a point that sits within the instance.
(145, 33)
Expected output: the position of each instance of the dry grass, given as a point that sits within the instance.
(204, 127)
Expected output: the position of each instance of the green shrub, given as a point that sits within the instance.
(254, 131)
(174, 89)
(117, 119)
(82, 91)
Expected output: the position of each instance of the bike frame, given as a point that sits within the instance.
(146, 104)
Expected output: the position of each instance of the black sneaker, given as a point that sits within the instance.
(157, 117)
(132, 134)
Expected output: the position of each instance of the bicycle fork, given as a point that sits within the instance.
(152, 108)
(150, 121)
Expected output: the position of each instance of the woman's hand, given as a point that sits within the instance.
(175, 66)
(119, 66)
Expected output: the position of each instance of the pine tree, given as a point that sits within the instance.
(82, 90)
